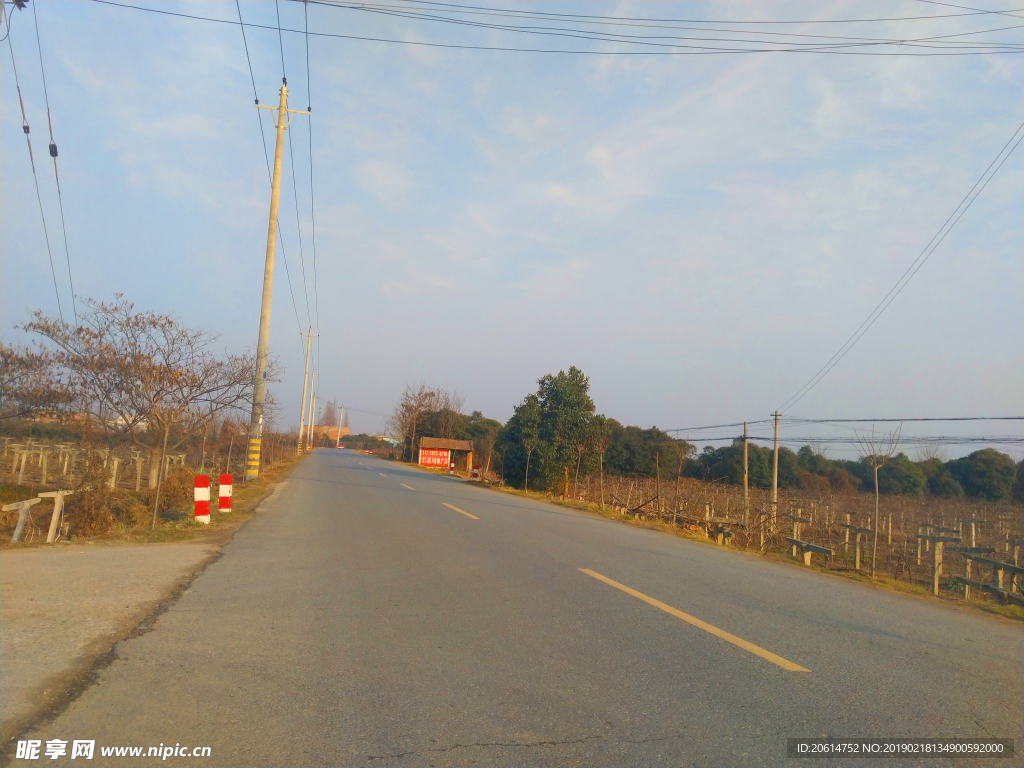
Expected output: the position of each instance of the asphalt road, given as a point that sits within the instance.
(377, 615)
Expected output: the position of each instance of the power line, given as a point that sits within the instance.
(944, 418)
(53, 154)
(453, 46)
(966, 8)
(291, 163)
(795, 420)
(312, 203)
(975, 12)
(718, 426)
(298, 226)
(266, 158)
(6, 20)
(912, 270)
(649, 40)
(31, 159)
(280, 42)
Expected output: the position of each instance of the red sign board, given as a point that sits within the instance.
(434, 457)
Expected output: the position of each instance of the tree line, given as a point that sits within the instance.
(986, 474)
(556, 437)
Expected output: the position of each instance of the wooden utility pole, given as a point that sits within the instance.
(746, 487)
(601, 465)
(305, 383)
(252, 464)
(775, 473)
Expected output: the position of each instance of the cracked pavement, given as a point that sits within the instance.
(356, 622)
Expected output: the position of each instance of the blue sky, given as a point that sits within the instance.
(697, 233)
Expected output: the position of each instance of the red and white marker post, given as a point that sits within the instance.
(224, 500)
(451, 467)
(476, 471)
(202, 499)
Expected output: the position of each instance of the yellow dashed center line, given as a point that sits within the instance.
(719, 633)
(460, 511)
(407, 486)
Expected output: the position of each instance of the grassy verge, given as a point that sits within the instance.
(173, 526)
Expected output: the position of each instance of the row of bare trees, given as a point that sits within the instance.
(416, 402)
(136, 375)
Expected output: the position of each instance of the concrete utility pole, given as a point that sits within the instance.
(312, 424)
(309, 426)
(305, 383)
(252, 465)
(775, 472)
(341, 420)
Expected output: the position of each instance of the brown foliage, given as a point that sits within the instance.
(177, 490)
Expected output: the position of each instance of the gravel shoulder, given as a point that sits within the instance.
(62, 607)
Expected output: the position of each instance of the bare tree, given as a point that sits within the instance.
(413, 404)
(148, 375)
(31, 382)
(931, 451)
(449, 412)
(876, 451)
(329, 417)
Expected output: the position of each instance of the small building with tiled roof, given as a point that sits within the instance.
(446, 453)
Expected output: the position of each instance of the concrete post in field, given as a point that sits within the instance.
(138, 473)
(846, 542)
(58, 512)
(936, 567)
(113, 473)
(21, 470)
(23, 508)
(967, 576)
(202, 499)
(43, 463)
(224, 494)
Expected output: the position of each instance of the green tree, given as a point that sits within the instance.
(985, 474)
(519, 439)
(902, 477)
(566, 412)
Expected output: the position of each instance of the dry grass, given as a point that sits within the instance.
(132, 515)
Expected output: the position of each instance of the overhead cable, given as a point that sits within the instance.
(912, 270)
(653, 40)
(906, 50)
(312, 202)
(270, 177)
(31, 159)
(53, 154)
